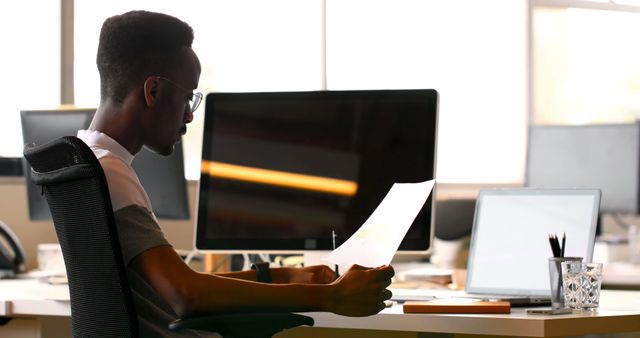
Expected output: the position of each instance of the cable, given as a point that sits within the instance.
(246, 262)
(189, 257)
(265, 257)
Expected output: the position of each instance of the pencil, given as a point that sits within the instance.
(556, 242)
(333, 236)
(555, 247)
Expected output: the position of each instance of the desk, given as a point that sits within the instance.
(38, 310)
(621, 275)
(619, 312)
(19, 297)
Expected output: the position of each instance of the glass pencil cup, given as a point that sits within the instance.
(555, 279)
(582, 283)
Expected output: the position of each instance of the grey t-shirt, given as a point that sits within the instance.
(138, 231)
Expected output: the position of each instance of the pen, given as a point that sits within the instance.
(333, 236)
(564, 240)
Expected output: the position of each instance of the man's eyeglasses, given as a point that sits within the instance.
(194, 102)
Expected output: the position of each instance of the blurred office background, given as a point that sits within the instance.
(499, 66)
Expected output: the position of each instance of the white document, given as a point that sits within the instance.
(378, 239)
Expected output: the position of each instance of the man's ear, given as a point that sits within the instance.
(151, 90)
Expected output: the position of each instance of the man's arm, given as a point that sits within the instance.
(359, 292)
(316, 274)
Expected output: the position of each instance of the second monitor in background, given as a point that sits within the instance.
(605, 157)
(162, 177)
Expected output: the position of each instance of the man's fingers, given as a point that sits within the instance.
(385, 284)
(386, 294)
(358, 267)
(385, 272)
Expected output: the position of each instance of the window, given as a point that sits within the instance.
(472, 52)
(586, 65)
(30, 65)
(585, 68)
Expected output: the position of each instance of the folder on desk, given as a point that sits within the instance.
(456, 305)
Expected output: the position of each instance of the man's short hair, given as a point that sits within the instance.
(135, 45)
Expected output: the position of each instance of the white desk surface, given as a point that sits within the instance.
(29, 297)
(619, 312)
(621, 274)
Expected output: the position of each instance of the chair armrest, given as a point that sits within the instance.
(262, 324)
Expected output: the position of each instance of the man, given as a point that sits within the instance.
(148, 72)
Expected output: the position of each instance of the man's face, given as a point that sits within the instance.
(169, 119)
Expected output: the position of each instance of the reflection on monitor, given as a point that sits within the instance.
(280, 171)
(162, 177)
(606, 157)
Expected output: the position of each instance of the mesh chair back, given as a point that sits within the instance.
(75, 187)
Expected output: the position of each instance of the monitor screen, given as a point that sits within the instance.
(606, 157)
(162, 177)
(281, 171)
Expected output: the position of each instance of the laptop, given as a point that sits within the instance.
(509, 249)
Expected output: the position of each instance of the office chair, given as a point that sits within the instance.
(76, 190)
(454, 218)
(454, 221)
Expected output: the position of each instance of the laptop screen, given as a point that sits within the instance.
(510, 247)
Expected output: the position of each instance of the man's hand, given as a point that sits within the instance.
(316, 274)
(361, 291)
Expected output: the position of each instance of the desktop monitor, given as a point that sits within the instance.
(282, 170)
(162, 177)
(605, 156)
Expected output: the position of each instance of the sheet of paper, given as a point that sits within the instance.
(378, 239)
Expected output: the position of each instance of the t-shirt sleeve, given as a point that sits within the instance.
(138, 231)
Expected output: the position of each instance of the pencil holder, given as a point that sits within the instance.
(555, 279)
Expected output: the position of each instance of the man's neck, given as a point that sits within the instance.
(118, 121)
